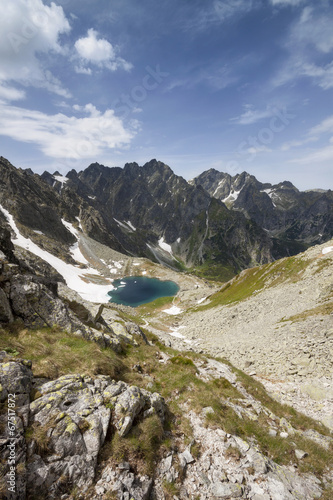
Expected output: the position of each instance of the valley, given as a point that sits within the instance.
(237, 365)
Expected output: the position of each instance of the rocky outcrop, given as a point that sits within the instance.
(59, 434)
(35, 301)
(294, 219)
(134, 210)
(61, 427)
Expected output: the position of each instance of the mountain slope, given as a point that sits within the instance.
(140, 211)
(274, 321)
(97, 409)
(294, 219)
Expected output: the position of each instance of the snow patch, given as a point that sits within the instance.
(114, 266)
(327, 250)
(70, 228)
(61, 178)
(38, 232)
(74, 276)
(165, 246)
(175, 333)
(174, 310)
(218, 186)
(79, 221)
(232, 196)
(120, 224)
(77, 254)
(201, 300)
(131, 225)
(125, 225)
(270, 193)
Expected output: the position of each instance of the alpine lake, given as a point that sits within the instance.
(137, 290)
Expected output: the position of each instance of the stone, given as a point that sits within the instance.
(185, 458)
(300, 454)
(226, 490)
(129, 404)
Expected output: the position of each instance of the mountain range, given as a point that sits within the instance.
(222, 391)
(215, 225)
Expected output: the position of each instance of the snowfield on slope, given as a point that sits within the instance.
(76, 278)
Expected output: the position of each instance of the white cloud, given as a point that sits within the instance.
(314, 29)
(252, 115)
(310, 38)
(321, 155)
(10, 93)
(62, 136)
(82, 70)
(326, 126)
(229, 8)
(259, 149)
(321, 132)
(94, 50)
(220, 11)
(98, 51)
(296, 144)
(28, 29)
(286, 2)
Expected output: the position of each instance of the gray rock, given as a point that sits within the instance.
(226, 490)
(6, 315)
(300, 454)
(185, 458)
(128, 405)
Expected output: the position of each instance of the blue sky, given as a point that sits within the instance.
(228, 84)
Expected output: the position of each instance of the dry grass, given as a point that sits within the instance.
(55, 353)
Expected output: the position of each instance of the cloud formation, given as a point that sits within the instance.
(310, 41)
(27, 30)
(287, 2)
(62, 136)
(252, 115)
(98, 51)
(229, 8)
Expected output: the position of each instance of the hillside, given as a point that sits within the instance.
(275, 322)
(293, 219)
(101, 409)
(223, 391)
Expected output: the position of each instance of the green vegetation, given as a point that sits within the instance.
(54, 353)
(155, 305)
(253, 280)
(214, 271)
(297, 420)
(321, 310)
(140, 446)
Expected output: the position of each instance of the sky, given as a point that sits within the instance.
(235, 85)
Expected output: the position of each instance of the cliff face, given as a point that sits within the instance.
(292, 218)
(145, 211)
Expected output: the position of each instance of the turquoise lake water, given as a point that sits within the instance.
(137, 290)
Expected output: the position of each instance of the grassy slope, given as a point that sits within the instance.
(255, 279)
(54, 353)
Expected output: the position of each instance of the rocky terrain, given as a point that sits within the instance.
(180, 398)
(139, 211)
(274, 322)
(131, 418)
(292, 218)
